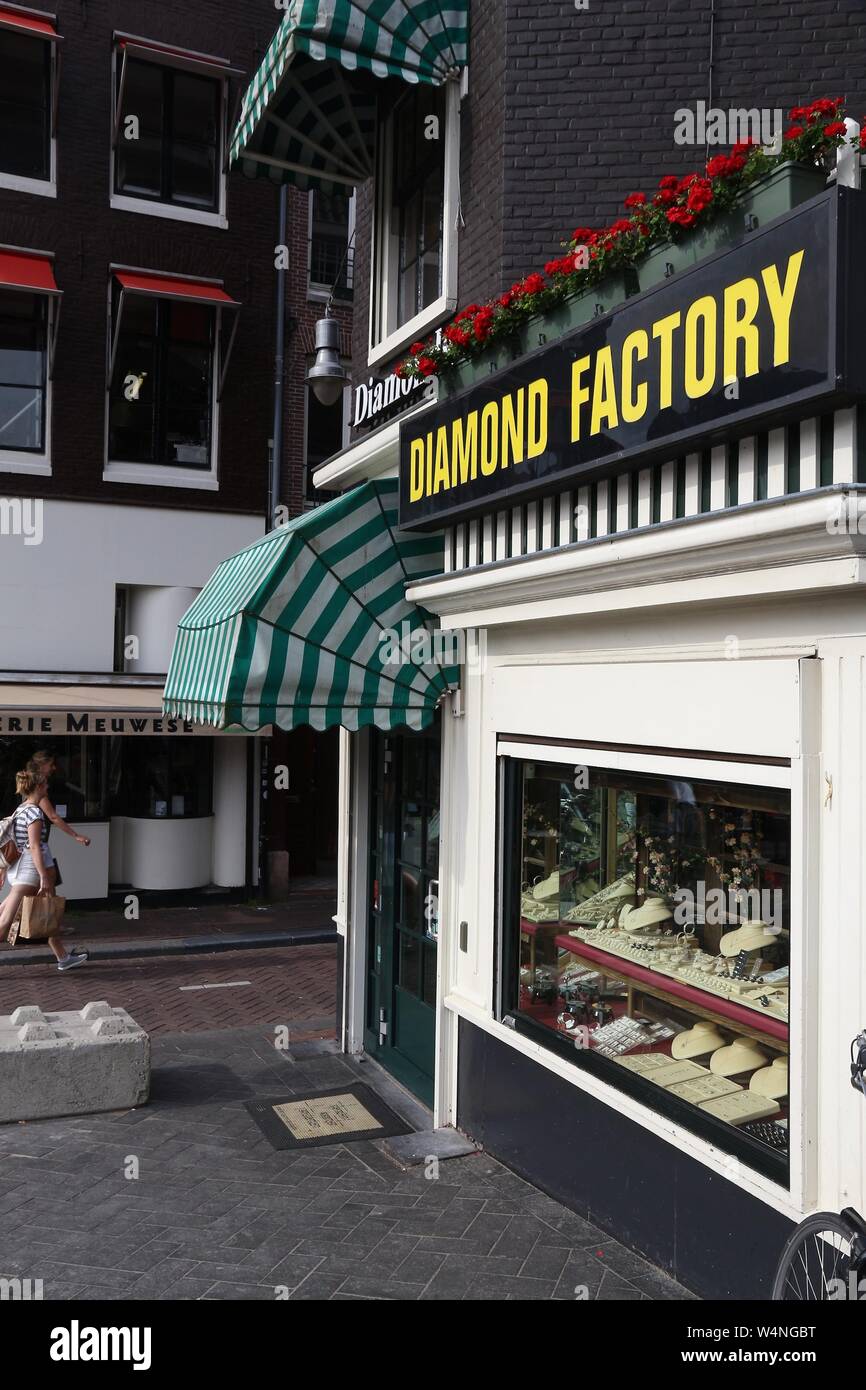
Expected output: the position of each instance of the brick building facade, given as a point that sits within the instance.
(569, 110)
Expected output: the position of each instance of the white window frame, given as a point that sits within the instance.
(42, 188)
(125, 202)
(317, 293)
(384, 346)
(163, 474)
(15, 460)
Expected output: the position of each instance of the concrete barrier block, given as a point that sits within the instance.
(71, 1063)
(28, 1013)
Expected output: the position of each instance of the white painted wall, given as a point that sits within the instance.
(167, 854)
(621, 678)
(230, 811)
(152, 615)
(59, 594)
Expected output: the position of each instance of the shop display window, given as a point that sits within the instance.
(647, 927)
(78, 789)
(166, 777)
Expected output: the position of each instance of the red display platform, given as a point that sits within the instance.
(726, 1008)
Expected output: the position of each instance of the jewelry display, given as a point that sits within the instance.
(699, 1041)
(753, 936)
(771, 1081)
(772, 1132)
(701, 1088)
(626, 1033)
(740, 1056)
(679, 1071)
(677, 968)
(668, 958)
(740, 1106)
(650, 913)
(598, 907)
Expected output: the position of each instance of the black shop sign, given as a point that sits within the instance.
(770, 329)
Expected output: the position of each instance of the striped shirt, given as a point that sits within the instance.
(24, 816)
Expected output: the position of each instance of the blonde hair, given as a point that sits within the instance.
(27, 781)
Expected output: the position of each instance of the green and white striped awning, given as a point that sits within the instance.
(309, 115)
(311, 625)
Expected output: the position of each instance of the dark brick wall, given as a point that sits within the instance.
(86, 235)
(591, 96)
(571, 110)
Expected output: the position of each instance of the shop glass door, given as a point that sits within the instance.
(403, 931)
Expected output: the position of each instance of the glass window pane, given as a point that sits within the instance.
(23, 319)
(143, 97)
(411, 898)
(653, 927)
(193, 175)
(21, 422)
(25, 106)
(138, 166)
(195, 108)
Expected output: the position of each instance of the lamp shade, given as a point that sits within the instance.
(327, 376)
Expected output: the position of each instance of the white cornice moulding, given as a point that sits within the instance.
(756, 551)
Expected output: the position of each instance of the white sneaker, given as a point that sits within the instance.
(75, 958)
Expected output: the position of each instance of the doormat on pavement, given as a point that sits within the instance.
(315, 1118)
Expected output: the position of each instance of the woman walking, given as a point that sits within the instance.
(42, 766)
(30, 874)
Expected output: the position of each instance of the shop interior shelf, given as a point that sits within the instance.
(711, 1005)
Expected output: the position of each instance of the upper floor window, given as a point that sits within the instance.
(28, 72)
(29, 311)
(23, 374)
(415, 260)
(169, 132)
(326, 434)
(169, 354)
(332, 232)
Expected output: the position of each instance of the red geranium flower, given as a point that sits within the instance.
(686, 182)
(415, 349)
(426, 366)
(398, 370)
(700, 195)
(793, 132)
(621, 225)
(835, 128)
(743, 146)
(585, 236)
(506, 298)
(680, 216)
(455, 334)
(863, 135)
(635, 200)
(798, 113)
(669, 183)
(665, 196)
(483, 320)
(532, 284)
(467, 312)
(822, 107)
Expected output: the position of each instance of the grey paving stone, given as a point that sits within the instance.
(417, 1148)
(368, 1287)
(218, 1214)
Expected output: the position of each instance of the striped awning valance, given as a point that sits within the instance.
(311, 625)
(309, 115)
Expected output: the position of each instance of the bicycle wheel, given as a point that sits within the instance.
(816, 1261)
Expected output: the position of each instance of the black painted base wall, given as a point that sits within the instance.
(714, 1238)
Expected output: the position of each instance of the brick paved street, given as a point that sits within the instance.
(216, 1213)
(296, 983)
